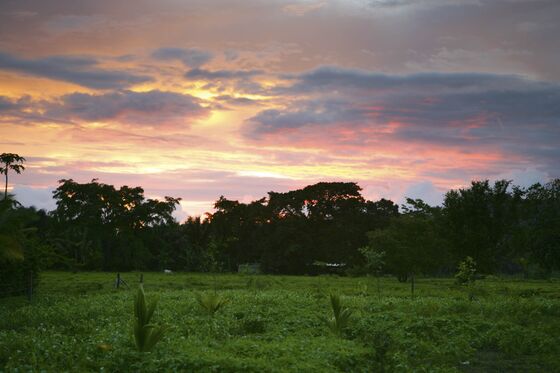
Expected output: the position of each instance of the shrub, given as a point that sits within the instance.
(466, 272)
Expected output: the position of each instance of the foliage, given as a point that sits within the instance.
(12, 162)
(146, 334)
(21, 252)
(341, 316)
(374, 259)
(411, 245)
(108, 228)
(439, 331)
(481, 221)
(504, 228)
(210, 302)
(466, 272)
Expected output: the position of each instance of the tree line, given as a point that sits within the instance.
(328, 225)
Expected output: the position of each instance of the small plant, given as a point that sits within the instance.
(146, 335)
(374, 263)
(466, 272)
(341, 316)
(257, 284)
(362, 289)
(210, 302)
(466, 276)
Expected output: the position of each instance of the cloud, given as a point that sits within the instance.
(75, 23)
(312, 112)
(155, 107)
(301, 9)
(231, 55)
(471, 111)
(201, 74)
(337, 78)
(190, 57)
(81, 71)
(18, 110)
(8, 104)
(237, 101)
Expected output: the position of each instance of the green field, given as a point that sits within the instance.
(80, 322)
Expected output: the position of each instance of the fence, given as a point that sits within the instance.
(27, 287)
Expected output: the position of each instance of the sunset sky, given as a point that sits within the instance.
(197, 99)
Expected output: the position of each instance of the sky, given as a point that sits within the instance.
(198, 99)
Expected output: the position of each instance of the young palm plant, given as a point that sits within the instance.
(210, 302)
(341, 316)
(146, 335)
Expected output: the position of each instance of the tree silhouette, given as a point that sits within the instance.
(12, 162)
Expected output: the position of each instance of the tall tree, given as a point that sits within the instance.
(12, 162)
(480, 221)
(110, 224)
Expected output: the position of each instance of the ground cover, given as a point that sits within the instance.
(80, 322)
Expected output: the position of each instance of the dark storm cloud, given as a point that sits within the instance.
(151, 108)
(190, 57)
(82, 71)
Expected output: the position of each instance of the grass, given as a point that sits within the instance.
(79, 322)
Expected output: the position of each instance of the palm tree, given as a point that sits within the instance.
(12, 162)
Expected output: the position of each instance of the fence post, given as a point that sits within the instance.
(30, 286)
(118, 281)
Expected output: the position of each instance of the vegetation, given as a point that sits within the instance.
(80, 322)
(12, 162)
(146, 334)
(341, 316)
(504, 228)
(466, 273)
(210, 302)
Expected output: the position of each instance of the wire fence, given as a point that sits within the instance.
(27, 288)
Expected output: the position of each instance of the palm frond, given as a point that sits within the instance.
(146, 335)
(341, 315)
(210, 302)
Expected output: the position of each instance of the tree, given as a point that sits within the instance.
(113, 225)
(12, 162)
(480, 222)
(19, 247)
(412, 242)
(374, 263)
(539, 225)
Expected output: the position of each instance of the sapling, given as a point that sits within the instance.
(466, 275)
(210, 302)
(374, 263)
(146, 334)
(466, 272)
(341, 316)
